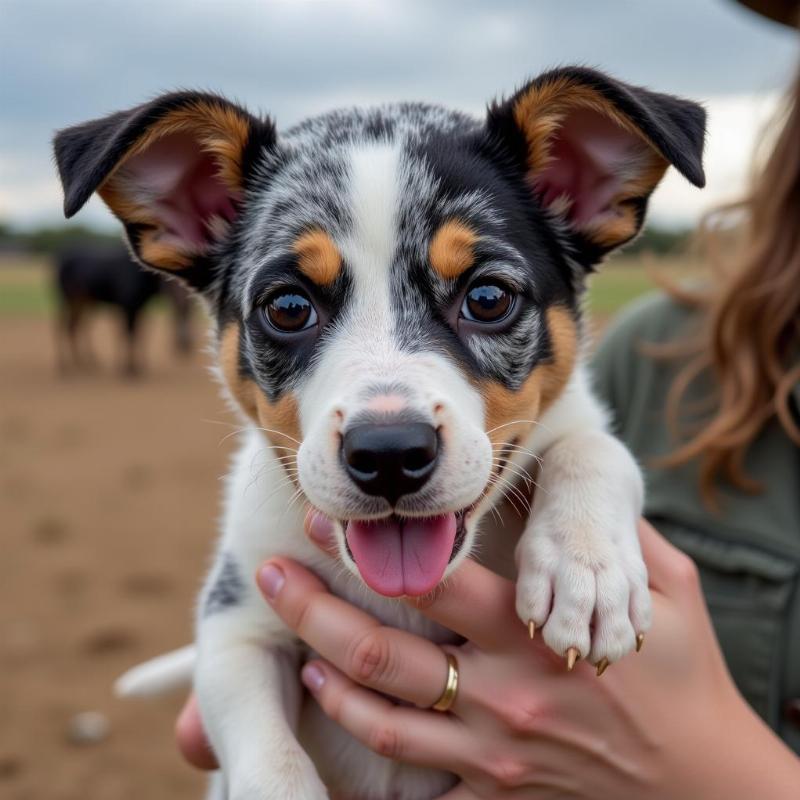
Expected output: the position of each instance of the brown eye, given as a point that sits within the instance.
(290, 312)
(487, 302)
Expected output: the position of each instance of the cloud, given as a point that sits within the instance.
(736, 124)
(73, 61)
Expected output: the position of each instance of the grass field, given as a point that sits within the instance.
(25, 287)
(25, 284)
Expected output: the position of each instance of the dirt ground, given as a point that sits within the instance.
(108, 499)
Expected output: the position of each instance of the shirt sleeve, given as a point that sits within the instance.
(618, 366)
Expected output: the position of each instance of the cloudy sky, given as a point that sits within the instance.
(63, 61)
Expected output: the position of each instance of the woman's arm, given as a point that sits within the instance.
(667, 723)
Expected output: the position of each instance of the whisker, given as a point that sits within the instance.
(513, 469)
(504, 449)
(517, 493)
(520, 472)
(500, 483)
(516, 422)
(280, 433)
(224, 423)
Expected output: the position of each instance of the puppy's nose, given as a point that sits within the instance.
(390, 460)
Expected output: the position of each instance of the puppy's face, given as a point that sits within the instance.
(396, 290)
(405, 306)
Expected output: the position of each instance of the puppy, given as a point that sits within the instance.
(397, 298)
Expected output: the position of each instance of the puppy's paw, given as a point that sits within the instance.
(586, 591)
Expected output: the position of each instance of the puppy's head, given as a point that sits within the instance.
(396, 290)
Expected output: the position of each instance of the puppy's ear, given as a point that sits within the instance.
(174, 171)
(593, 149)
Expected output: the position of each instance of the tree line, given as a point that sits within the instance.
(47, 240)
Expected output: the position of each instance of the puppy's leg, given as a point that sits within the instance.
(581, 576)
(249, 698)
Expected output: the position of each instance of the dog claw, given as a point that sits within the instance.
(639, 642)
(531, 628)
(572, 656)
(602, 666)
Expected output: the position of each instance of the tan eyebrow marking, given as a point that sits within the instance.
(452, 249)
(318, 257)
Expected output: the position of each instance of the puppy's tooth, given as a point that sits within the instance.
(531, 628)
(639, 642)
(602, 666)
(572, 656)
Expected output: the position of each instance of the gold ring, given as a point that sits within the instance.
(448, 697)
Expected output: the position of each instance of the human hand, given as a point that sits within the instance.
(666, 724)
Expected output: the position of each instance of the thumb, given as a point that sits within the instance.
(669, 569)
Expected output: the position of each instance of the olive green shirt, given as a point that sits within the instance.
(748, 554)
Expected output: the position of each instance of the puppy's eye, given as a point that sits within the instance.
(487, 302)
(290, 312)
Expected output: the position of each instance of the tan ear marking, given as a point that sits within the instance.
(542, 111)
(452, 249)
(217, 130)
(318, 257)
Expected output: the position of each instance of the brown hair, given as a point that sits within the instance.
(750, 329)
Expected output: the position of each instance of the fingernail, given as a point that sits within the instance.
(271, 580)
(320, 528)
(313, 677)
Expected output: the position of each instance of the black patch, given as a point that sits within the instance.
(228, 589)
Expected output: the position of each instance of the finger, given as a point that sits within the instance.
(391, 661)
(667, 566)
(423, 738)
(191, 737)
(320, 530)
(475, 603)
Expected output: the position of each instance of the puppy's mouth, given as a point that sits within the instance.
(399, 556)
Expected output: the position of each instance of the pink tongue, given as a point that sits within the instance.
(397, 558)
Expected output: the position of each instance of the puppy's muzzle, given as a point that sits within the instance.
(392, 459)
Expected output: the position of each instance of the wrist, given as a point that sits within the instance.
(742, 758)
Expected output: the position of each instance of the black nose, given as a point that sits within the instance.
(390, 460)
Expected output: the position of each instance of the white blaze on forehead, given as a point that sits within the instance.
(361, 347)
(368, 250)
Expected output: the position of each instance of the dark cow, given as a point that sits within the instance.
(96, 273)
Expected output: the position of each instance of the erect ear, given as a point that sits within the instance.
(173, 171)
(593, 149)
